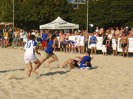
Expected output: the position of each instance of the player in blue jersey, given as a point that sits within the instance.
(48, 52)
(83, 62)
(30, 49)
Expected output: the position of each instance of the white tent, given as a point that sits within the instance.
(59, 24)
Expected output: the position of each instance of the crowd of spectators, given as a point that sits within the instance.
(79, 44)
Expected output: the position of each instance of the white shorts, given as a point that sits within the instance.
(29, 58)
(114, 47)
(93, 45)
(104, 48)
(25, 40)
(81, 44)
(5, 38)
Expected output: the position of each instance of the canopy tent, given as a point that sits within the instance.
(5, 25)
(59, 24)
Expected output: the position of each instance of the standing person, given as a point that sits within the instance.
(1, 38)
(15, 38)
(29, 55)
(131, 33)
(25, 38)
(93, 41)
(48, 52)
(117, 32)
(124, 44)
(81, 43)
(104, 44)
(114, 44)
(126, 31)
(86, 36)
(10, 34)
(44, 39)
(6, 37)
(39, 40)
(62, 41)
(21, 37)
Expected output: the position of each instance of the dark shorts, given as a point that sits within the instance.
(21, 39)
(62, 44)
(123, 45)
(76, 63)
(39, 39)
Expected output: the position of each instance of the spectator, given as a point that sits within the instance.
(131, 33)
(114, 44)
(6, 37)
(126, 31)
(93, 41)
(81, 43)
(44, 39)
(104, 44)
(124, 44)
(62, 41)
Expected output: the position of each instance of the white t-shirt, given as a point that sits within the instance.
(81, 42)
(29, 47)
(21, 34)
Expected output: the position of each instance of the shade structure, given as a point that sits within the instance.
(59, 23)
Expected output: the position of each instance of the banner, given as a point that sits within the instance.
(99, 44)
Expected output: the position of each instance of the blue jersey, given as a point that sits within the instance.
(44, 37)
(85, 59)
(72, 42)
(49, 48)
(93, 40)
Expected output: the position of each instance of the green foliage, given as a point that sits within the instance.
(32, 13)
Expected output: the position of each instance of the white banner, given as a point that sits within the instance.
(99, 44)
(72, 38)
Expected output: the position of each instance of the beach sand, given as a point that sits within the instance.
(110, 78)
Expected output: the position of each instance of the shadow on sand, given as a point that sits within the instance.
(94, 67)
(53, 73)
(11, 70)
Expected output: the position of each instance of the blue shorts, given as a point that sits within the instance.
(84, 66)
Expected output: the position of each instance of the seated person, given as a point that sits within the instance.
(84, 62)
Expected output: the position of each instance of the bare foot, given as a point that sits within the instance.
(47, 63)
(35, 72)
(60, 65)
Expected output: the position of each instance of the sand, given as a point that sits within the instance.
(110, 78)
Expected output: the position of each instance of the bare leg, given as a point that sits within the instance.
(70, 62)
(54, 58)
(37, 62)
(127, 51)
(95, 51)
(29, 66)
(123, 51)
(65, 63)
(92, 51)
(82, 48)
(41, 61)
